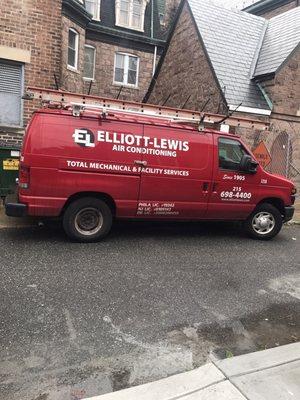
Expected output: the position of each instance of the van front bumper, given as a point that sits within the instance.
(288, 213)
(13, 208)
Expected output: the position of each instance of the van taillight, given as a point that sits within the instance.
(24, 177)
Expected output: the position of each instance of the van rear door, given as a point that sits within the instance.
(176, 173)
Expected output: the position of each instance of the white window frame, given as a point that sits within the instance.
(71, 67)
(97, 5)
(126, 64)
(130, 26)
(86, 78)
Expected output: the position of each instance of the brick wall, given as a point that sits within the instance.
(186, 72)
(35, 26)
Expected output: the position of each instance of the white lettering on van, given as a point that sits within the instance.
(84, 137)
(127, 142)
(142, 141)
(77, 164)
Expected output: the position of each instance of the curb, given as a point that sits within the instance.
(221, 379)
(293, 222)
(207, 380)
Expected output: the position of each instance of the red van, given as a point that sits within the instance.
(92, 168)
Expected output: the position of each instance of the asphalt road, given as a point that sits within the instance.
(151, 300)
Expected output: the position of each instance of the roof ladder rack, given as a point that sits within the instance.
(81, 102)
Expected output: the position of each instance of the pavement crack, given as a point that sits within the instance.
(71, 328)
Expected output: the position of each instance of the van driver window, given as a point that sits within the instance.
(230, 154)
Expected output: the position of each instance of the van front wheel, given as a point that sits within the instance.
(87, 220)
(264, 223)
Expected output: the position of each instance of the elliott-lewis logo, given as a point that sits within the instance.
(132, 143)
(84, 137)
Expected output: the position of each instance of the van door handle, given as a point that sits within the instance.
(138, 162)
(205, 187)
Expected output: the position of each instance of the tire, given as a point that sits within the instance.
(87, 220)
(264, 223)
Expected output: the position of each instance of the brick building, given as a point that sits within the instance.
(218, 60)
(30, 54)
(105, 47)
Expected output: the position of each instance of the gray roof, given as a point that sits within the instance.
(282, 36)
(232, 40)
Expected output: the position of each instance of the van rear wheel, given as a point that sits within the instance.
(87, 220)
(264, 223)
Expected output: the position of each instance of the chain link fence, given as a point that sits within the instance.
(277, 150)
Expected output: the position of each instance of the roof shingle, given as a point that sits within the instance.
(282, 36)
(232, 40)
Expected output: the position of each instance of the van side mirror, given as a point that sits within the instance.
(247, 164)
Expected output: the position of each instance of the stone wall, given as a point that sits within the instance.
(104, 72)
(103, 84)
(72, 80)
(284, 88)
(171, 7)
(186, 72)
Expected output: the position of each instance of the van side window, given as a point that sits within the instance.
(230, 154)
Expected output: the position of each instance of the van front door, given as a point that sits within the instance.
(234, 193)
(176, 173)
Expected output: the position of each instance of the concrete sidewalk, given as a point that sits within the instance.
(272, 374)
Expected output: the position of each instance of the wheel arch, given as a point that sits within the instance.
(98, 195)
(274, 201)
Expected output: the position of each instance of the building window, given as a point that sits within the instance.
(130, 14)
(11, 91)
(89, 62)
(126, 69)
(73, 49)
(93, 7)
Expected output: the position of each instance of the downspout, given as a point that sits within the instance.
(152, 36)
(154, 60)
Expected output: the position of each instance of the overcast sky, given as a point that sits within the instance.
(239, 4)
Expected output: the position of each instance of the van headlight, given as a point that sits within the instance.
(294, 191)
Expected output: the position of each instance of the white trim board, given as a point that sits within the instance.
(250, 110)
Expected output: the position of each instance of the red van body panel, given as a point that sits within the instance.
(148, 168)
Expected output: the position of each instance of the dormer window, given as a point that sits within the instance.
(130, 14)
(93, 7)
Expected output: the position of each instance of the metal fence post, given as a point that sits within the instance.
(287, 168)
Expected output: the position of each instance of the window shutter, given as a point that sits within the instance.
(10, 94)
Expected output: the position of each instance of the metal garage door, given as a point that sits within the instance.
(10, 94)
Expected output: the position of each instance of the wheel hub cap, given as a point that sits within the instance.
(88, 221)
(263, 223)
